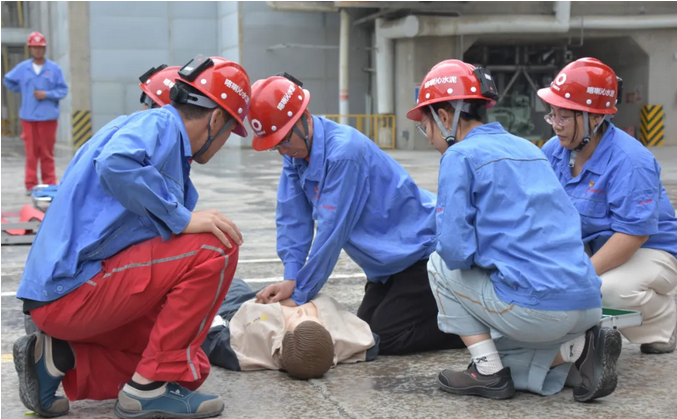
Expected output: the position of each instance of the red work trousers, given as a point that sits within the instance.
(148, 310)
(39, 139)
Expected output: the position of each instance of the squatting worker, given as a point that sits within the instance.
(627, 220)
(118, 275)
(510, 274)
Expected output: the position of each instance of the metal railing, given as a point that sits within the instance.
(378, 128)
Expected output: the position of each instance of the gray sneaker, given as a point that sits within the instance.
(171, 401)
(661, 347)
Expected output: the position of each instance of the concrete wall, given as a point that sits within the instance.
(413, 59)
(630, 62)
(228, 30)
(317, 68)
(58, 50)
(661, 46)
(127, 38)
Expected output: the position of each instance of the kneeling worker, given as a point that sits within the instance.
(363, 202)
(510, 274)
(117, 276)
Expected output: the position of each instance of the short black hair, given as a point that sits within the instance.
(477, 111)
(191, 112)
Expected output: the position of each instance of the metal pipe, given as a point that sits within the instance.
(413, 26)
(385, 68)
(507, 88)
(562, 22)
(532, 68)
(344, 75)
(531, 82)
(625, 22)
(373, 16)
(20, 7)
(302, 6)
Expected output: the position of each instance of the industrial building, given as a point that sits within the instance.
(362, 61)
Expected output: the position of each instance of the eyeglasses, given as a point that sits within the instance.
(422, 129)
(562, 121)
(284, 143)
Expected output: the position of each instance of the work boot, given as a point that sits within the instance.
(660, 347)
(38, 377)
(472, 383)
(169, 401)
(597, 364)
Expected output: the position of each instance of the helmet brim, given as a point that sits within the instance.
(551, 98)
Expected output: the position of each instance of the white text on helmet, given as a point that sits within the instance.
(168, 83)
(440, 80)
(601, 91)
(237, 89)
(286, 97)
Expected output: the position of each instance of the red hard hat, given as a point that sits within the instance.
(158, 85)
(448, 80)
(227, 84)
(36, 39)
(277, 104)
(585, 85)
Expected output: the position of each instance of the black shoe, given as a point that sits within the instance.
(471, 383)
(597, 364)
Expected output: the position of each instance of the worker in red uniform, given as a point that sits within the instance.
(124, 276)
(42, 86)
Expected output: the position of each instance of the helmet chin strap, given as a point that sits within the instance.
(458, 106)
(303, 134)
(586, 135)
(211, 138)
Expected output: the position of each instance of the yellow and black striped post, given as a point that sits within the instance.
(82, 127)
(652, 128)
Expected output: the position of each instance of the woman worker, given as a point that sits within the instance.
(627, 220)
(510, 274)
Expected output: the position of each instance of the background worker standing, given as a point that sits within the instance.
(42, 86)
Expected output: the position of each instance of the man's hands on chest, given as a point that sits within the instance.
(278, 293)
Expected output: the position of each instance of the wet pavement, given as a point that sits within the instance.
(242, 184)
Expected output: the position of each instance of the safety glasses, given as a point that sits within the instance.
(422, 129)
(562, 121)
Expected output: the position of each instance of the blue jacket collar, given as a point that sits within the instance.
(187, 150)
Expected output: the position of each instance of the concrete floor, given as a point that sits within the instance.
(242, 184)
